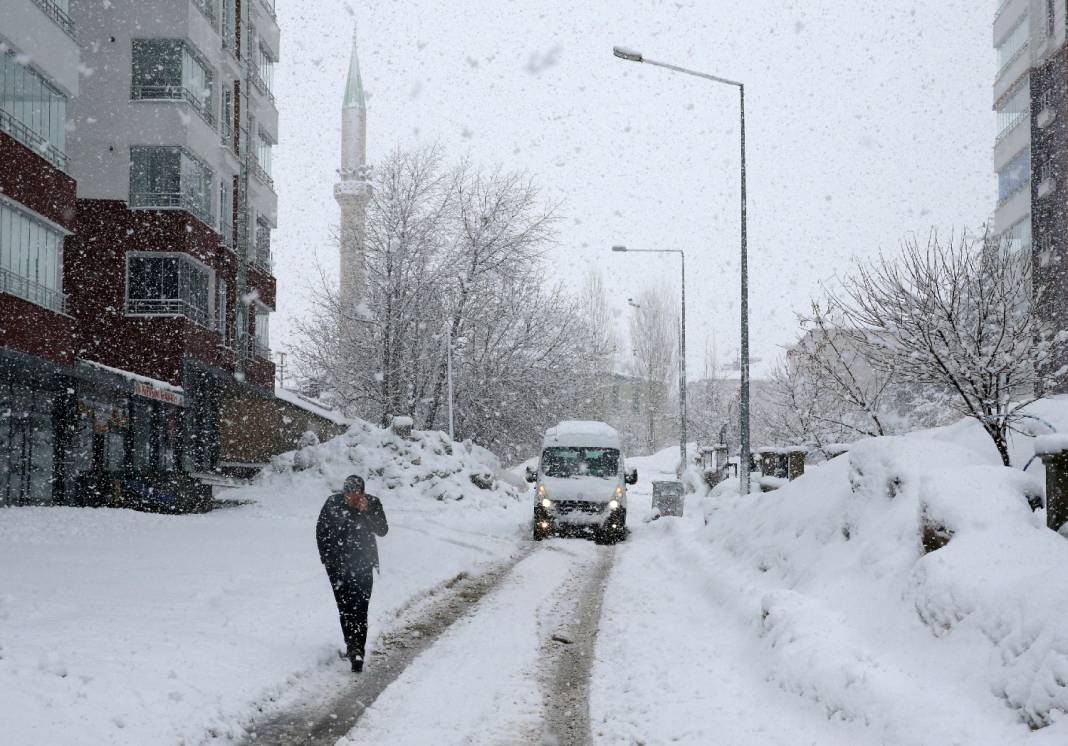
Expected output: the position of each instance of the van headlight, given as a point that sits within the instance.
(613, 504)
(546, 503)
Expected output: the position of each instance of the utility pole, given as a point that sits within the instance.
(282, 369)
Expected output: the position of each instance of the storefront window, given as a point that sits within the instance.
(141, 415)
(26, 445)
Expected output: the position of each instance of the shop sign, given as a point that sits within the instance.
(151, 392)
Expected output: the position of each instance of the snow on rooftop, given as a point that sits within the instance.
(310, 405)
(572, 431)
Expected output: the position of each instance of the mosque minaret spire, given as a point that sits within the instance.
(353, 190)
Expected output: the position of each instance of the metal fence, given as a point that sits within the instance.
(34, 292)
(32, 140)
(167, 307)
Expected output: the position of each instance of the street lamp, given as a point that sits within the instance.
(631, 55)
(682, 343)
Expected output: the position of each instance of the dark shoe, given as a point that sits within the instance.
(357, 665)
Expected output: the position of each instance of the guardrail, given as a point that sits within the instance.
(166, 307)
(32, 291)
(174, 93)
(33, 141)
(57, 14)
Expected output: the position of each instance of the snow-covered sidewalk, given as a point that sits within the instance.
(119, 627)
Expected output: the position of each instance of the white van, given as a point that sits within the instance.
(580, 484)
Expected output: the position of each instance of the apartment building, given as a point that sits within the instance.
(146, 313)
(39, 76)
(1030, 154)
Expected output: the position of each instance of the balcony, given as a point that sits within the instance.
(170, 201)
(57, 14)
(166, 307)
(259, 350)
(32, 291)
(261, 173)
(175, 93)
(207, 7)
(33, 141)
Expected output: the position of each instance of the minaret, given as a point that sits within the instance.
(353, 190)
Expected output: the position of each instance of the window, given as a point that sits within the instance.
(264, 144)
(227, 129)
(263, 243)
(265, 68)
(168, 69)
(1017, 238)
(222, 321)
(226, 212)
(262, 343)
(31, 110)
(580, 462)
(1014, 43)
(1014, 109)
(1014, 176)
(168, 285)
(168, 177)
(31, 259)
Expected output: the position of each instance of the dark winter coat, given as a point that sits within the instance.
(346, 537)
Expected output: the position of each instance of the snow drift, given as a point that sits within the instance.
(914, 572)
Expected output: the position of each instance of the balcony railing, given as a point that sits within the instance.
(34, 292)
(207, 7)
(170, 201)
(32, 140)
(167, 307)
(57, 14)
(261, 173)
(259, 350)
(175, 93)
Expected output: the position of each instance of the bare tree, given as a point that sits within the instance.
(654, 341)
(958, 317)
(453, 253)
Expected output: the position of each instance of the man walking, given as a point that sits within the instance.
(348, 524)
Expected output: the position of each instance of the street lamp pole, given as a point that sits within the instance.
(448, 369)
(682, 344)
(744, 448)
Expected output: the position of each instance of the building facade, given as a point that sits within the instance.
(138, 204)
(1030, 153)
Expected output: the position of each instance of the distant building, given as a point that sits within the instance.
(1031, 150)
(137, 206)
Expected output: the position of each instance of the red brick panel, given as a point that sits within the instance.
(28, 178)
(29, 328)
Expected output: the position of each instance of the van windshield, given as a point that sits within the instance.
(580, 462)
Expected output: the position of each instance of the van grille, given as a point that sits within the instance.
(578, 506)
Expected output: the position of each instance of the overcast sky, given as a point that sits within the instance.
(866, 120)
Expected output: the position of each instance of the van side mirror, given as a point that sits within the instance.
(630, 476)
(532, 474)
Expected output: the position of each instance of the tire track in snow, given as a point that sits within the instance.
(567, 656)
(314, 723)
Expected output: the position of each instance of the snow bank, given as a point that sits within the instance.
(967, 641)
(424, 464)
